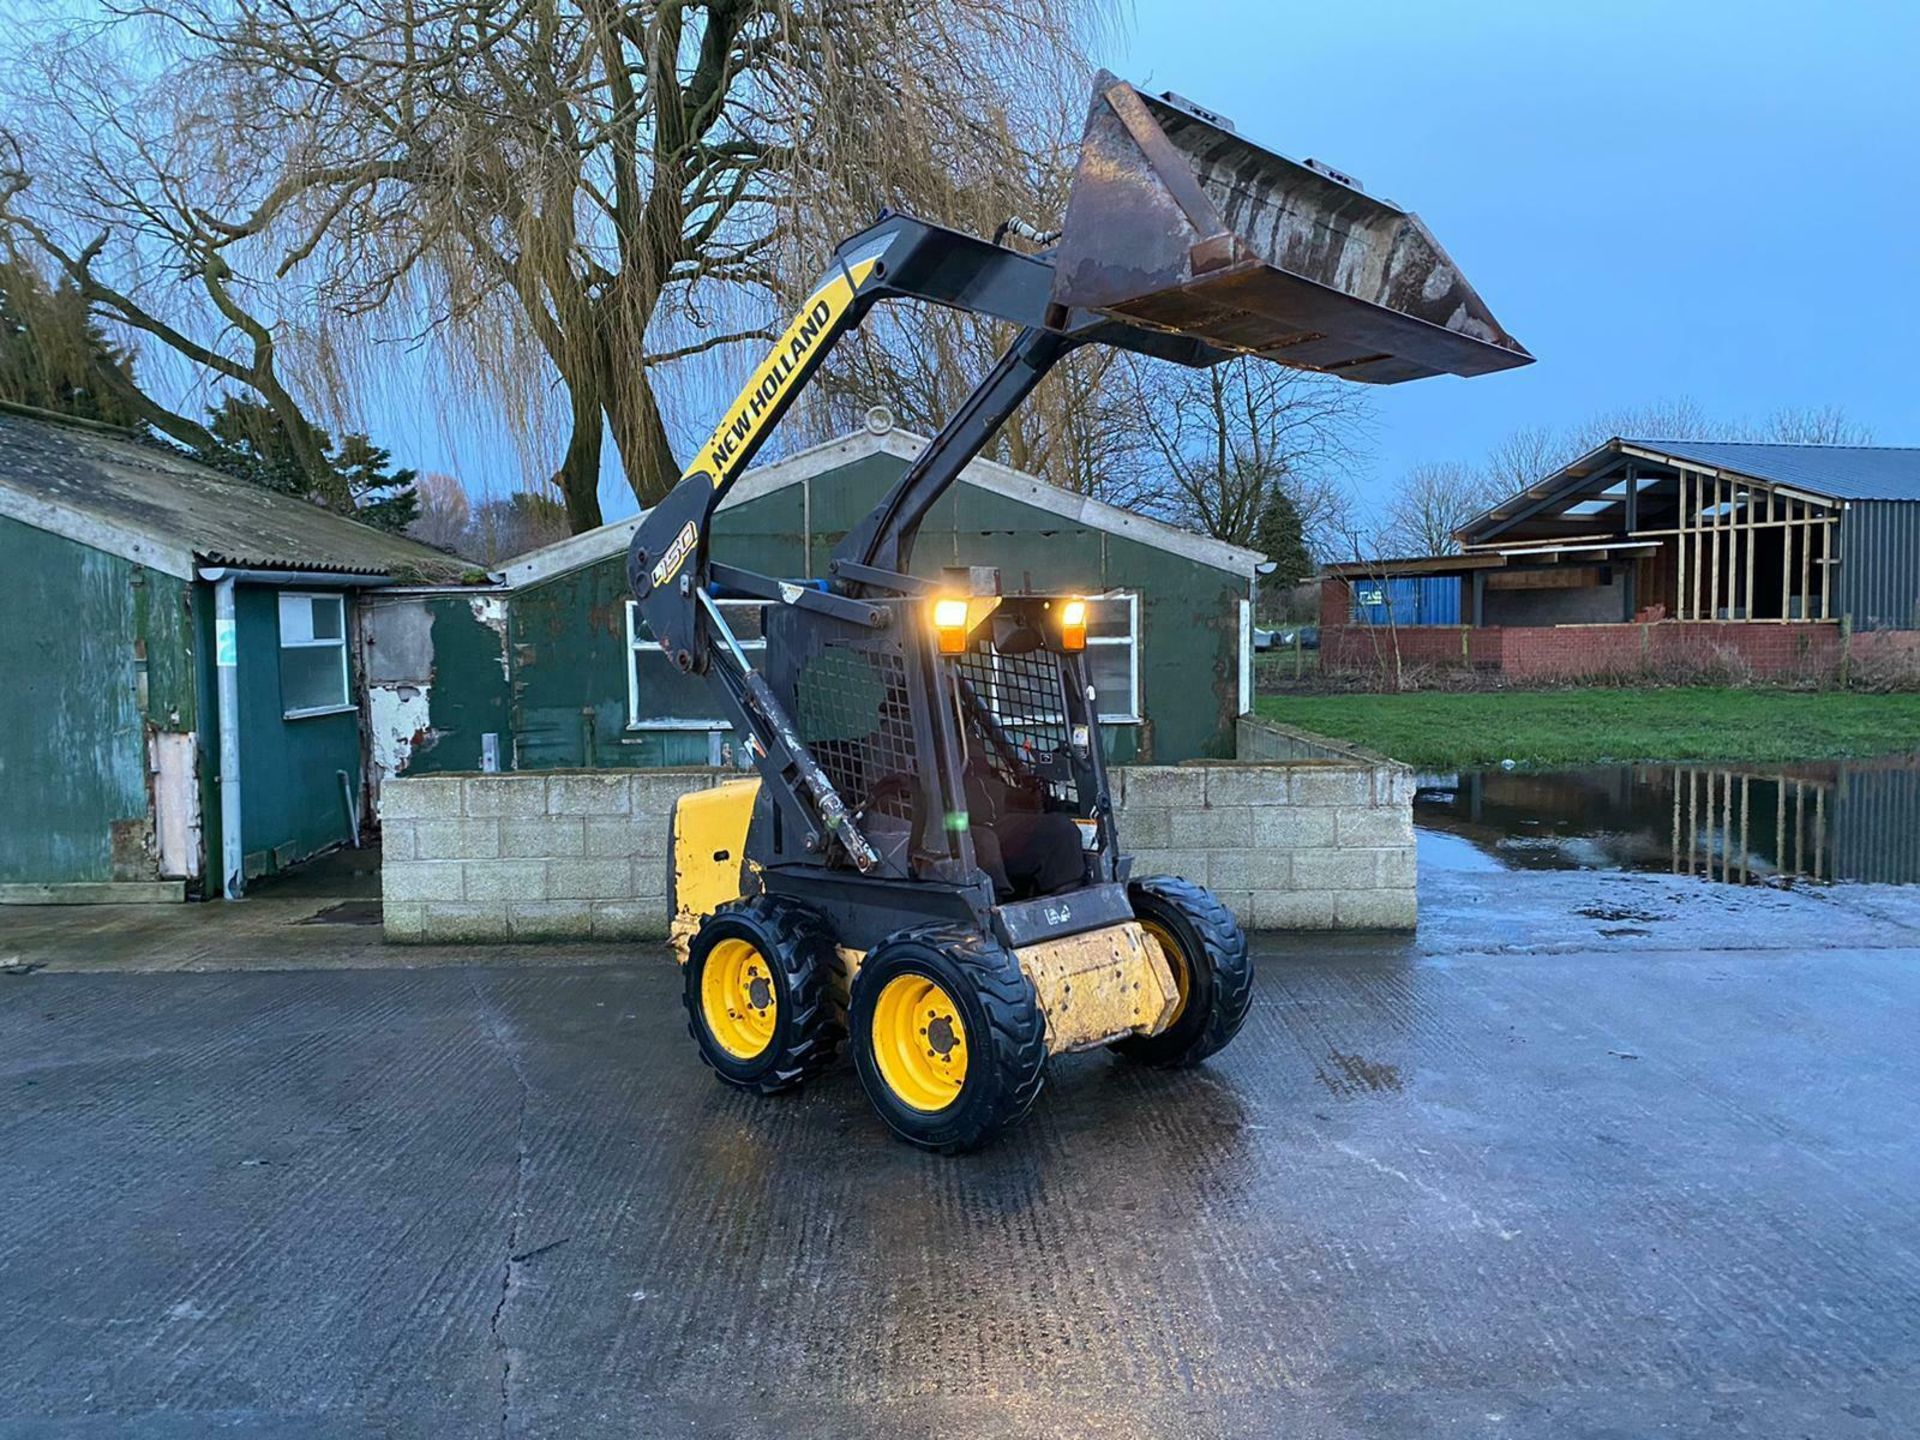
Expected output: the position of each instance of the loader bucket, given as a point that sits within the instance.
(1178, 224)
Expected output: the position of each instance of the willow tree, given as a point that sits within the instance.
(594, 194)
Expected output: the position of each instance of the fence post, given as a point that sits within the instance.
(1846, 650)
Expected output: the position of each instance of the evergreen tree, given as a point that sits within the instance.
(252, 443)
(1278, 535)
(53, 356)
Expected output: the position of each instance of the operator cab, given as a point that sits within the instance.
(1031, 773)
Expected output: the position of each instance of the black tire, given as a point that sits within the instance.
(799, 950)
(1004, 1032)
(1219, 971)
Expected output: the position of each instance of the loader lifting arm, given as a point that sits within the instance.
(668, 567)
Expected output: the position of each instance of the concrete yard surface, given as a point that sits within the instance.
(1646, 1170)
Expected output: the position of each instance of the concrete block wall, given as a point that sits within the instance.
(530, 855)
(1299, 845)
(1316, 843)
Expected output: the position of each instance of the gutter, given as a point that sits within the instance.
(226, 656)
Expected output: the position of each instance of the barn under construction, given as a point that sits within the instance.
(1782, 551)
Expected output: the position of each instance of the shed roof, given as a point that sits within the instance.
(609, 540)
(1843, 472)
(106, 488)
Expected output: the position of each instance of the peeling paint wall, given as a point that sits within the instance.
(98, 662)
(176, 805)
(400, 718)
(437, 674)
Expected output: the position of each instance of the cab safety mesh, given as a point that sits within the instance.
(852, 710)
(1016, 710)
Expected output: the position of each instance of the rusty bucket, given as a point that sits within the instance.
(1178, 224)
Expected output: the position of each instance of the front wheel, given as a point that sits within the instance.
(948, 1037)
(1212, 971)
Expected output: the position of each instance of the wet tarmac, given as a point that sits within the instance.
(1593, 1155)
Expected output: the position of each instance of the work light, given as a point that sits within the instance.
(1073, 625)
(950, 623)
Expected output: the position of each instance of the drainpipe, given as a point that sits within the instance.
(226, 658)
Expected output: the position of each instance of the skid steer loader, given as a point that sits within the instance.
(927, 866)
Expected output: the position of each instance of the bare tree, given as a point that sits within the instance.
(1218, 441)
(1814, 425)
(1431, 503)
(502, 529)
(116, 181)
(1533, 452)
(1677, 417)
(1080, 427)
(445, 511)
(1363, 541)
(1527, 454)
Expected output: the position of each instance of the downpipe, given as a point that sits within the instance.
(226, 659)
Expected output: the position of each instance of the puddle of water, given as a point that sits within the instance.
(1738, 824)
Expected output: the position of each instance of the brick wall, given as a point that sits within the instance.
(1316, 843)
(1560, 652)
(1336, 604)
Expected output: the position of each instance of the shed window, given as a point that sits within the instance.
(1113, 656)
(659, 697)
(313, 655)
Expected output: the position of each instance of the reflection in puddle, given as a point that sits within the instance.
(1738, 824)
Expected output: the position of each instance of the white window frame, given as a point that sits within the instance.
(636, 647)
(1131, 715)
(310, 643)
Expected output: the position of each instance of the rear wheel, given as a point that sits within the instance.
(948, 1037)
(1212, 971)
(756, 993)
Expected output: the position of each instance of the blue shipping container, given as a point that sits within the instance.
(1412, 600)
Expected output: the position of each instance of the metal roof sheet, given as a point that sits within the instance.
(1844, 472)
(107, 488)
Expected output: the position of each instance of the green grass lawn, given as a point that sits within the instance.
(1573, 727)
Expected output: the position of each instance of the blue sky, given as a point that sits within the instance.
(1714, 199)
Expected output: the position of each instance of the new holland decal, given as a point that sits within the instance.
(761, 401)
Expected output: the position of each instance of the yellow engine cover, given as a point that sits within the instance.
(709, 849)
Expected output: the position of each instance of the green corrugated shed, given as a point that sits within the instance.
(111, 549)
(550, 675)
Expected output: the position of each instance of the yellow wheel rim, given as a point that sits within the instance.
(1176, 962)
(919, 1043)
(737, 999)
